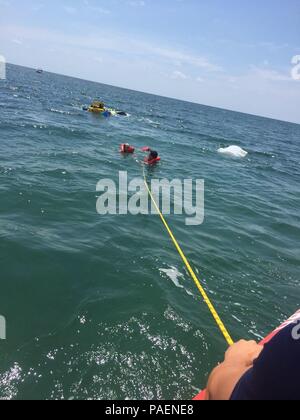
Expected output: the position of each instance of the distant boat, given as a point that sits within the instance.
(40, 71)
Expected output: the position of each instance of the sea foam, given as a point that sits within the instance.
(234, 151)
(175, 275)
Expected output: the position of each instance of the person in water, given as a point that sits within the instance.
(153, 155)
(252, 372)
(126, 148)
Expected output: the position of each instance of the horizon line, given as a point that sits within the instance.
(159, 96)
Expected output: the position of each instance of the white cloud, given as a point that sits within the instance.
(113, 43)
(178, 75)
(271, 75)
(96, 9)
(135, 3)
(273, 46)
(178, 56)
(70, 10)
(17, 41)
(37, 7)
(100, 10)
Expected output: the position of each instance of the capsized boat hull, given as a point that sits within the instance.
(103, 112)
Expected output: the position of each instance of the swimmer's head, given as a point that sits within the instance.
(153, 155)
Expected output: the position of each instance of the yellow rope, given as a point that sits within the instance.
(191, 271)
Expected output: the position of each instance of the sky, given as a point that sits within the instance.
(233, 54)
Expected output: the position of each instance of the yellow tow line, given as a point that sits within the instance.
(208, 302)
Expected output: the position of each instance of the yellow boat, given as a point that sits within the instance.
(97, 107)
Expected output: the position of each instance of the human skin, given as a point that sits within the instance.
(239, 358)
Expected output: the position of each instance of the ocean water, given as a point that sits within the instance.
(102, 307)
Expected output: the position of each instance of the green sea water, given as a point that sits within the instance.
(101, 307)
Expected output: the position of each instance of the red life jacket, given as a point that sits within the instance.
(125, 148)
(152, 161)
